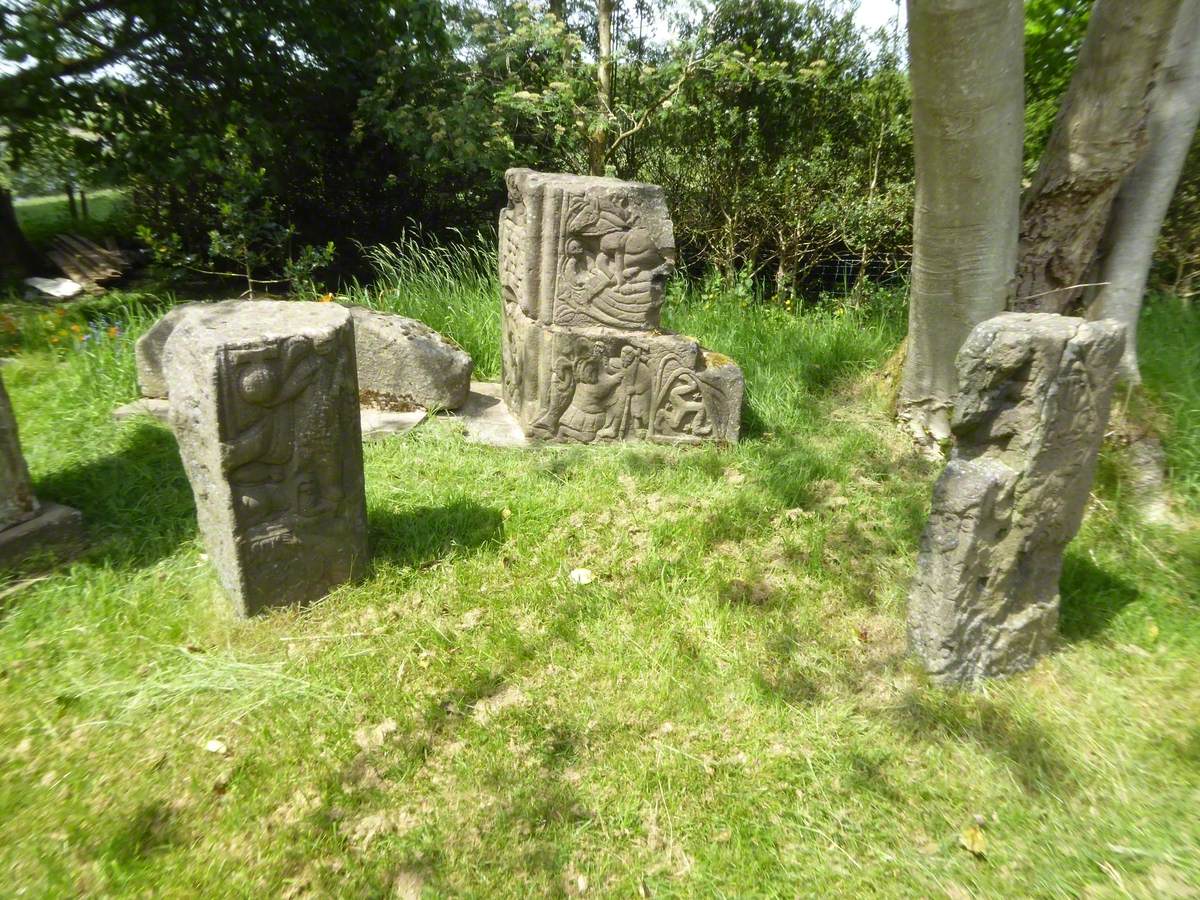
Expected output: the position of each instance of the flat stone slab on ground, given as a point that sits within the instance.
(55, 530)
(380, 423)
(487, 420)
(264, 405)
(153, 407)
(375, 423)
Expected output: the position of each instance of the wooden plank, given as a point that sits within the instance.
(91, 257)
(110, 244)
(67, 264)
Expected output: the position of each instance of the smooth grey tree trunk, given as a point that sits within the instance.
(1137, 216)
(599, 143)
(966, 67)
(1098, 136)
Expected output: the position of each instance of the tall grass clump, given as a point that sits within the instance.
(1169, 357)
(453, 288)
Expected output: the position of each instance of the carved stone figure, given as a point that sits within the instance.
(1029, 420)
(583, 267)
(402, 363)
(264, 404)
(26, 526)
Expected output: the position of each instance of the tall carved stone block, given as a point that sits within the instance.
(264, 404)
(26, 526)
(583, 268)
(1030, 417)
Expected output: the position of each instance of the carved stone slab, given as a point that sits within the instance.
(26, 526)
(583, 267)
(402, 363)
(264, 405)
(1030, 417)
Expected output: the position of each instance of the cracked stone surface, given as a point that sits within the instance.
(1033, 404)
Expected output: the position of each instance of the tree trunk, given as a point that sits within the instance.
(70, 189)
(83, 207)
(1098, 136)
(1138, 213)
(17, 256)
(599, 143)
(966, 69)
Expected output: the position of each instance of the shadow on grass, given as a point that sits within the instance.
(137, 504)
(153, 827)
(1091, 598)
(421, 536)
(1038, 764)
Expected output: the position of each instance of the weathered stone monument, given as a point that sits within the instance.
(1034, 395)
(264, 405)
(28, 527)
(583, 266)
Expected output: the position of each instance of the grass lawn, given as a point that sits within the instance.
(726, 710)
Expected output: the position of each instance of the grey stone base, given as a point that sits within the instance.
(56, 530)
(379, 423)
(153, 407)
(486, 418)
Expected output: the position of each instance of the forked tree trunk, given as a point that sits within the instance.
(1137, 216)
(74, 209)
(17, 256)
(1097, 138)
(599, 143)
(966, 69)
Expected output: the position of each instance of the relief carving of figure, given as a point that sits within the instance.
(569, 372)
(631, 414)
(611, 267)
(262, 450)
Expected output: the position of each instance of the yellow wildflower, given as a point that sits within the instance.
(113, 331)
(325, 298)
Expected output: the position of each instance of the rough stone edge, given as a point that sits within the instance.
(56, 530)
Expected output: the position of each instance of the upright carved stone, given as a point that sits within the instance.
(1030, 416)
(583, 266)
(17, 502)
(264, 404)
(26, 526)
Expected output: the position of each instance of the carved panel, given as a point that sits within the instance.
(583, 267)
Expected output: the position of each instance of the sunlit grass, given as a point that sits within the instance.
(725, 711)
